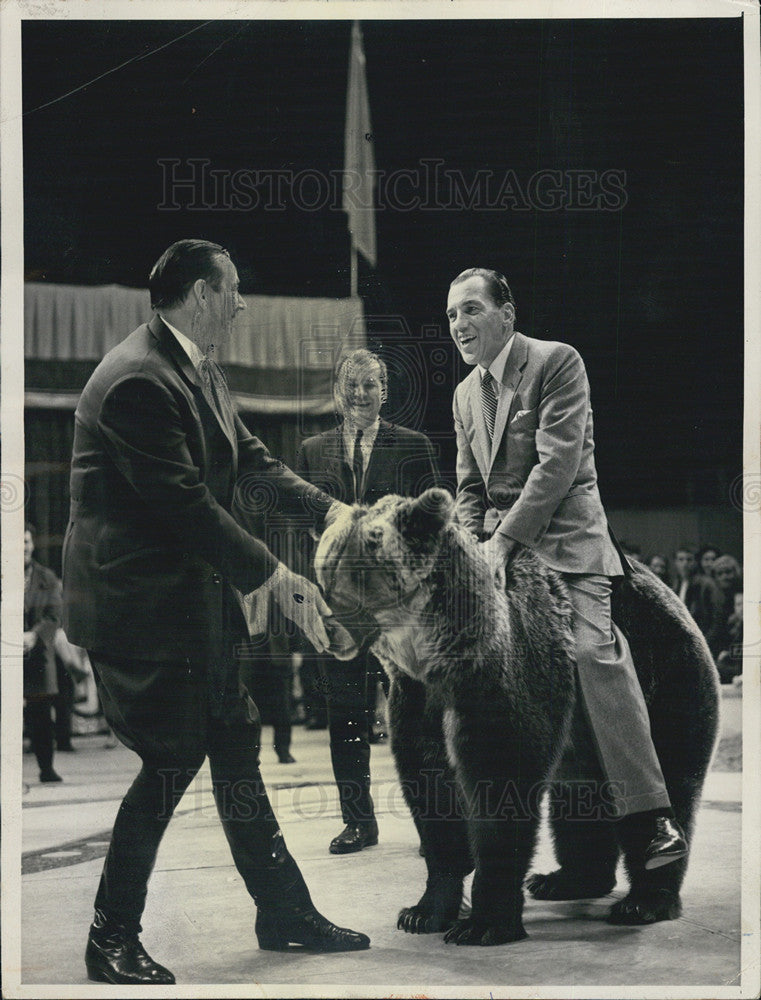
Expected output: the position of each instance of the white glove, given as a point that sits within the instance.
(300, 601)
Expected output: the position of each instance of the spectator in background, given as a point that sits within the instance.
(660, 566)
(730, 660)
(706, 556)
(361, 460)
(728, 578)
(700, 595)
(42, 619)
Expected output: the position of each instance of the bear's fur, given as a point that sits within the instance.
(481, 705)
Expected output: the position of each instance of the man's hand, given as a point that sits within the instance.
(30, 641)
(496, 551)
(301, 602)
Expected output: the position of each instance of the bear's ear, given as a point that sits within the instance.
(425, 517)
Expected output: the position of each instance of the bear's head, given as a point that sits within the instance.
(374, 560)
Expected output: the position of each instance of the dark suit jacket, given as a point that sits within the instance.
(537, 476)
(42, 615)
(151, 541)
(402, 461)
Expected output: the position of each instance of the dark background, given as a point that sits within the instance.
(651, 294)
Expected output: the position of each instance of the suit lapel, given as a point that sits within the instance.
(511, 379)
(383, 439)
(335, 461)
(224, 416)
(173, 348)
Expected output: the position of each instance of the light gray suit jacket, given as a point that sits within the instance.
(538, 477)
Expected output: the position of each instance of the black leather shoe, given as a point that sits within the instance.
(276, 931)
(49, 775)
(667, 845)
(116, 956)
(285, 757)
(354, 837)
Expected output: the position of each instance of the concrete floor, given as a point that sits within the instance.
(199, 919)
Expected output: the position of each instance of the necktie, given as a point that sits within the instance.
(357, 467)
(209, 383)
(489, 402)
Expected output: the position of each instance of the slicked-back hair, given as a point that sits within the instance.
(359, 358)
(496, 284)
(180, 266)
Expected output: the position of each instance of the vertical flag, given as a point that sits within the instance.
(359, 159)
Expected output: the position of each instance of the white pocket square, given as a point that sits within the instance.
(519, 414)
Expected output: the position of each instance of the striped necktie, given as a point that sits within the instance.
(357, 467)
(489, 402)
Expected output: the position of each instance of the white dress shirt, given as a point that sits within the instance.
(192, 349)
(497, 367)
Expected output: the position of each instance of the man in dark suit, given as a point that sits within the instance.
(151, 557)
(42, 619)
(361, 460)
(526, 474)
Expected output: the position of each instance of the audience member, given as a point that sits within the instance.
(42, 618)
(730, 659)
(660, 566)
(701, 596)
(728, 578)
(361, 460)
(706, 556)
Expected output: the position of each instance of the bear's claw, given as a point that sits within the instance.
(559, 885)
(416, 920)
(469, 931)
(646, 907)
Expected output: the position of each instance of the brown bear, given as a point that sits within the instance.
(481, 707)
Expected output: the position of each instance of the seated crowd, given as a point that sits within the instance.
(709, 583)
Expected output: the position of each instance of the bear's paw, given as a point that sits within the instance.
(474, 931)
(437, 908)
(562, 884)
(646, 906)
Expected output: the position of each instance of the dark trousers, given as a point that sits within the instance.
(269, 678)
(349, 720)
(39, 724)
(312, 679)
(230, 739)
(64, 706)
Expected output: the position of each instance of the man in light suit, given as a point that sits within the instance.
(526, 474)
(151, 556)
(361, 460)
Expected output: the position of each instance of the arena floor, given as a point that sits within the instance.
(199, 920)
